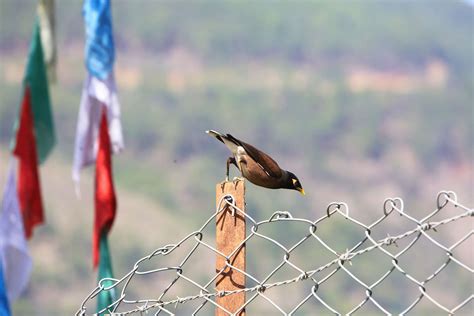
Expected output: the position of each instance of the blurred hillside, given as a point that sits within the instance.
(362, 100)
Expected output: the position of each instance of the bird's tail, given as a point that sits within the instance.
(231, 142)
(217, 135)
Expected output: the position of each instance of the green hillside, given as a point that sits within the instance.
(362, 100)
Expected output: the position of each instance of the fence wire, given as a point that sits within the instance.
(260, 285)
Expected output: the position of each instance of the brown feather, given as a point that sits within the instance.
(266, 162)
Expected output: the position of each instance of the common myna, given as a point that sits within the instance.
(256, 166)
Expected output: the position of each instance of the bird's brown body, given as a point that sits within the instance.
(252, 171)
(257, 166)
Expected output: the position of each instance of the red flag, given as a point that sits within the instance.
(105, 202)
(29, 190)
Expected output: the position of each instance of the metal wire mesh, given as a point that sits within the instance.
(398, 277)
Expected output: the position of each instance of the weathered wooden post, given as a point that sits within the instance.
(230, 232)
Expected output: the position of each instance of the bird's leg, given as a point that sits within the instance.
(229, 161)
(241, 178)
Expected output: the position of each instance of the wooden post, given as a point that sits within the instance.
(230, 232)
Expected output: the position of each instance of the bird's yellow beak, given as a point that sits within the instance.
(301, 190)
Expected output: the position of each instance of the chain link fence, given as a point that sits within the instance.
(298, 266)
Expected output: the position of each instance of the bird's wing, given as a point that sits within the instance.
(266, 162)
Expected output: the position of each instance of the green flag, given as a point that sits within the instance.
(105, 298)
(34, 135)
(36, 81)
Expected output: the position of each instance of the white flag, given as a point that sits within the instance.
(96, 92)
(14, 255)
(48, 36)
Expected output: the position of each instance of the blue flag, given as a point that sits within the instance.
(4, 308)
(100, 53)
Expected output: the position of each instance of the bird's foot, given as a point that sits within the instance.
(236, 180)
(223, 184)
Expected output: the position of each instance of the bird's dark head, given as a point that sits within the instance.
(294, 183)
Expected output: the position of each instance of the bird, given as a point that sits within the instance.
(257, 166)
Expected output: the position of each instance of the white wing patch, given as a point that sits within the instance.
(240, 151)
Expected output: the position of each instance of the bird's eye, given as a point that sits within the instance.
(294, 181)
